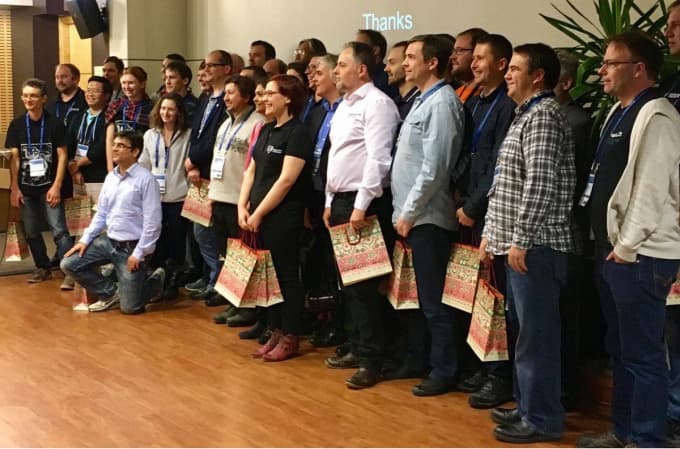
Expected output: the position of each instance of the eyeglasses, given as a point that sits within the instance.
(457, 51)
(269, 93)
(609, 63)
(94, 91)
(119, 145)
(210, 65)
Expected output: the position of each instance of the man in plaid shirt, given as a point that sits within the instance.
(528, 220)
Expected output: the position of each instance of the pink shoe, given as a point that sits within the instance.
(274, 338)
(288, 347)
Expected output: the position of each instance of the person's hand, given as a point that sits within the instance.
(485, 256)
(72, 167)
(403, 227)
(188, 166)
(194, 177)
(78, 178)
(254, 222)
(616, 259)
(77, 248)
(517, 260)
(327, 217)
(243, 216)
(358, 219)
(16, 197)
(53, 196)
(133, 264)
(464, 219)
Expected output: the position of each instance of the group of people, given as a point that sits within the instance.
(463, 138)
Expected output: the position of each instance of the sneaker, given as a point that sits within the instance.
(105, 304)
(158, 276)
(196, 286)
(68, 283)
(39, 275)
(606, 439)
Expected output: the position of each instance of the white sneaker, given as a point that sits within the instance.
(105, 304)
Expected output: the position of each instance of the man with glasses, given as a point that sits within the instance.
(129, 208)
(461, 63)
(633, 193)
(36, 140)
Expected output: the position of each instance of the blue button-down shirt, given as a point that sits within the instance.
(430, 141)
(130, 209)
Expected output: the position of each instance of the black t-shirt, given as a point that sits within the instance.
(93, 135)
(613, 152)
(44, 156)
(273, 144)
(69, 110)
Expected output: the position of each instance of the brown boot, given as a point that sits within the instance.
(274, 338)
(288, 347)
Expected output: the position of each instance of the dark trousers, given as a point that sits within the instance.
(363, 304)
(673, 344)
(282, 239)
(633, 298)
(170, 246)
(319, 271)
(533, 298)
(431, 246)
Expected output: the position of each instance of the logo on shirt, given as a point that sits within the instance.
(271, 149)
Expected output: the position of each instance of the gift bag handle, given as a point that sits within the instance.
(200, 190)
(349, 240)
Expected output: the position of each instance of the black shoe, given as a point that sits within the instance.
(493, 393)
(522, 432)
(472, 383)
(170, 292)
(343, 349)
(264, 338)
(216, 300)
(363, 378)
(204, 294)
(244, 317)
(673, 433)
(197, 286)
(348, 360)
(331, 337)
(604, 439)
(254, 332)
(505, 416)
(221, 318)
(404, 372)
(433, 387)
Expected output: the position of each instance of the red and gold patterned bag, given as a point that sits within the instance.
(362, 254)
(16, 247)
(462, 273)
(78, 212)
(273, 289)
(233, 282)
(197, 206)
(401, 286)
(487, 335)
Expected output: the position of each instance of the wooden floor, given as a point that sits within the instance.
(173, 378)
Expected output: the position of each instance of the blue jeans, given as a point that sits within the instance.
(633, 298)
(533, 302)
(431, 246)
(207, 240)
(33, 209)
(133, 290)
(673, 345)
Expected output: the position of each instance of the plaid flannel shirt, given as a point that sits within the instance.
(531, 198)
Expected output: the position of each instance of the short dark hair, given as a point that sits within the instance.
(181, 68)
(107, 88)
(75, 71)
(643, 49)
(176, 57)
(269, 50)
(245, 86)
(568, 63)
(376, 39)
(300, 68)
(201, 66)
(363, 53)
(435, 47)
(225, 57)
(135, 138)
(120, 66)
(474, 33)
(280, 66)
(500, 46)
(257, 71)
(155, 116)
(542, 56)
(448, 37)
(292, 88)
(37, 84)
(401, 44)
(316, 47)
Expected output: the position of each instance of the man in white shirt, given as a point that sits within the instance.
(362, 137)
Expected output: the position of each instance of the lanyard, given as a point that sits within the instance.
(478, 132)
(423, 97)
(42, 133)
(325, 128)
(82, 131)
(158, 144)
(535, 100)
(137, 109)
(208, 112)
(233, 136)
(69, 108)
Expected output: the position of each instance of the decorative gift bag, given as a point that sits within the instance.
(16, 247)
(234, 278)
(197, 207)
(401, 286)
(361, 254)
(487, 335)
(78, 211)
(273, 290)
(256, 290)
(462, 273)
(673, 298)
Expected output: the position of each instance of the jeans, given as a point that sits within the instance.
(33, 209)
(431, 247)
(673, 345)
(206, 237)
(533, 301)
(633, 299)
(134, 291)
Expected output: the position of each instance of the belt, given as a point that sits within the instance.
(344, 194)
(127, 245)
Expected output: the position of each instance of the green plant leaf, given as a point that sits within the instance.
(577, 27)
(587, 19)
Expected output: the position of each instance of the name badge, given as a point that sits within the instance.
(589, 186)
(37, 168)
(81, 151)
(217, 167)
(159, 174)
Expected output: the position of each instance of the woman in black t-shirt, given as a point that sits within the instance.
(272, 203)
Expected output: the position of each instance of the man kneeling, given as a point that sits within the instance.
(129, 208)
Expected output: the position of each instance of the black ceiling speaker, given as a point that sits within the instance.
(87, 17)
